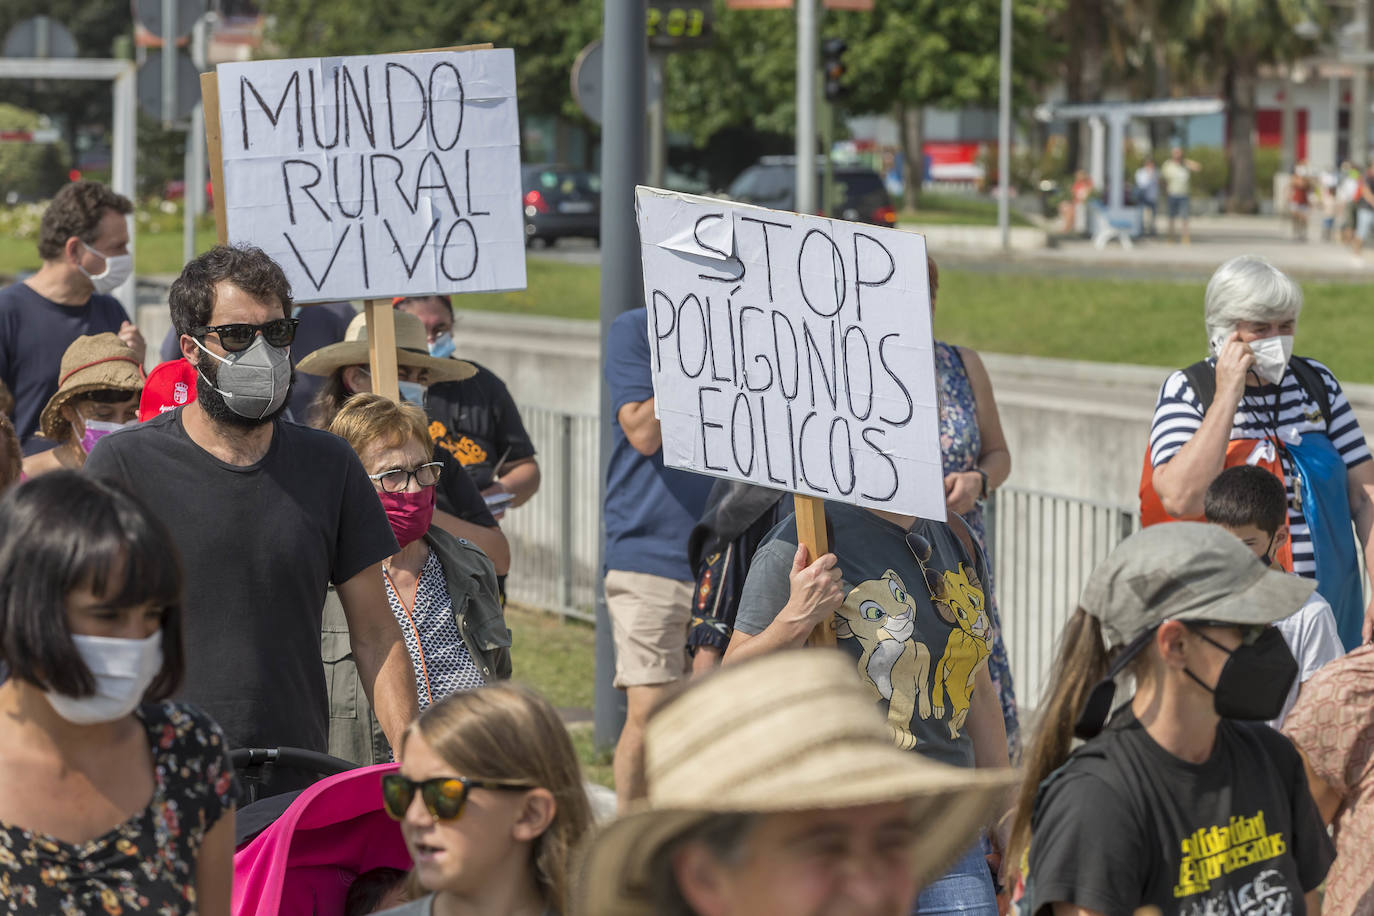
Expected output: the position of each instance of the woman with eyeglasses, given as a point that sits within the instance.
(98, 389)
(441, 589)
(491, 802)
(1182, 800)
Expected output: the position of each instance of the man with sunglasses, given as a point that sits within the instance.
(84, 243)
(904, 597)
(266, 515)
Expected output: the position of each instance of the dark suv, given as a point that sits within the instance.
(560, 202)
(860, 192)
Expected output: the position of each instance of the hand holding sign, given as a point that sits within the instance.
(816, 589)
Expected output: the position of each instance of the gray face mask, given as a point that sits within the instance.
(253, 382)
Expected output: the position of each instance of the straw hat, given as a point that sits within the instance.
(412, 349)
(789, 731)
(94, 362)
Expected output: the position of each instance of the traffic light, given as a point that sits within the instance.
(832, 64)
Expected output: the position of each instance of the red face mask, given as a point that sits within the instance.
(409, 513)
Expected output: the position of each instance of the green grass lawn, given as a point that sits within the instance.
(154, 252)
(956, 209)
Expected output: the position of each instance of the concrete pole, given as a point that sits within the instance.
(191, 203)
(1004, 132)
(1359, 95)
(1289, 123)
(658, 124)
(169, 61)
(1097, 168)
(1116, 164)
(622, 167)
(1334, 119)
(124, 164)
(806, 105)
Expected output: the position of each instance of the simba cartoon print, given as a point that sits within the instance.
(882, 617)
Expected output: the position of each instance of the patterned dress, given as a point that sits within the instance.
(960, 445)
(148, 863)
(438, 654)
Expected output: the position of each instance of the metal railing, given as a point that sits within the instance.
(1043, 545)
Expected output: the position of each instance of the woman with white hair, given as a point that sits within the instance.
(1253, 402)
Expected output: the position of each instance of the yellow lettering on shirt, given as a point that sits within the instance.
(1211, 852)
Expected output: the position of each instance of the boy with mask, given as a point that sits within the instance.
(1249, 502)
(266, 515)
(84, 243)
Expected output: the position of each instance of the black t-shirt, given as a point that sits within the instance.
(1125, 824)
(260, 546)
(476, 421)
(458, 495)
(34, 333)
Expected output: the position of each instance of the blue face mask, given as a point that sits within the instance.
(441, 346)
(412, 392)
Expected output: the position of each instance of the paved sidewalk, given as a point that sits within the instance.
(1214, 239)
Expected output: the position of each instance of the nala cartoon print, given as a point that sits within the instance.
(881, 615)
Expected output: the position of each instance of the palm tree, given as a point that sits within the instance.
(1235, 38)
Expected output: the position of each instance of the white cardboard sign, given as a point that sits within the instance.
(385, 175)
(791, 351)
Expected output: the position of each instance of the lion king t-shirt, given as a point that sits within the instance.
(916, 627)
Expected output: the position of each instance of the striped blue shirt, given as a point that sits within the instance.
(1262, 415)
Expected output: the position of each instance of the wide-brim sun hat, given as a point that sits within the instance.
(790, 731)
(93, 362)
(412, 349)
(1186, 571)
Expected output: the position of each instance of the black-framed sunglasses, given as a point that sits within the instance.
(443, 796)
(1249, 632)
(397, 480)
(278, 332)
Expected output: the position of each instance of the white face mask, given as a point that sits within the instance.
(123, 669)
(118, 268)
(412, 392)
(1271, 356)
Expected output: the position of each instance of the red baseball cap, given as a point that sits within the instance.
(169, 386)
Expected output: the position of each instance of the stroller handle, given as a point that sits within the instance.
(296, 758)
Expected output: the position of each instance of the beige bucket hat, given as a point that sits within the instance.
(93, 362)
(412, 349)
(789, 731)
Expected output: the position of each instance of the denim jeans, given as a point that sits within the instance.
(965, 888)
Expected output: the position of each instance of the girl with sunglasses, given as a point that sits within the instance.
(491, 803)
(1185, 802)
(442, 590)
(112, 798)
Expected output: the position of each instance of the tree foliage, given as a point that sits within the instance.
(545, 34)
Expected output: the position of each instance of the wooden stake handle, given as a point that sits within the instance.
(381, 347)
(214, 154)
(811, 532)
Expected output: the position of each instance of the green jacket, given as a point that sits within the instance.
(354, 733)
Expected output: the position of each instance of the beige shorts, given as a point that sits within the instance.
(650, 616)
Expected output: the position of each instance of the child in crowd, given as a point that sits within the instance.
(491, 802)
(1251, 503)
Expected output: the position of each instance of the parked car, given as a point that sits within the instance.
(560, 202)
(860, 192)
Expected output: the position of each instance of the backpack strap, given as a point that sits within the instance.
(1202, 377)
(1312, 381)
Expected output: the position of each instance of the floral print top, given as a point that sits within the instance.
(148, 863)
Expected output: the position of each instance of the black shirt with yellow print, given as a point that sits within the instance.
(476, 421)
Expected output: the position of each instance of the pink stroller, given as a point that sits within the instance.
(303, 863)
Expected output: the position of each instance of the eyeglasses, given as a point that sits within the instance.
(443, 796)
(235, 337)
(1249, 632)
(397, 480)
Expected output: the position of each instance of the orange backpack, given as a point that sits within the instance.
(1202, 377)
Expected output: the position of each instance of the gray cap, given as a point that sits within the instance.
(1186, 571)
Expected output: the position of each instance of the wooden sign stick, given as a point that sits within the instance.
(214, 155)
(381, 347)
(811, 532)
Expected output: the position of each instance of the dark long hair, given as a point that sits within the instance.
(63, 531)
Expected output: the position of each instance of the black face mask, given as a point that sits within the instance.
(1255, 680)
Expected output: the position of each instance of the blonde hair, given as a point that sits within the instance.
(509, 732)
(368, 420)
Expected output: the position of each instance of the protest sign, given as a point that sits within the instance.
(376, 176)
(793, 352)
